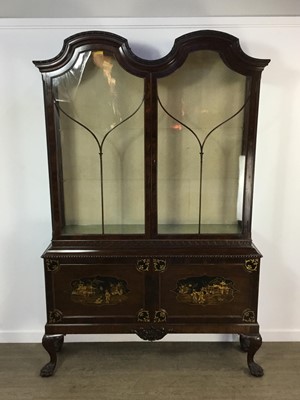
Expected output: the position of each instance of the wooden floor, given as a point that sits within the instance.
(150, 371)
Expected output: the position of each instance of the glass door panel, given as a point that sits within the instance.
(100, 110)
(200, 147)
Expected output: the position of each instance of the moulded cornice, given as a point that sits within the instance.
(227, 45)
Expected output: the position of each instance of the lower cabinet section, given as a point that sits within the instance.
(151, 297)
(151, 290)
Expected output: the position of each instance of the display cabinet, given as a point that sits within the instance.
(151, 167)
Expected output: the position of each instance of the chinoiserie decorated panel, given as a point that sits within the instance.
(97, 291)
(207, 291)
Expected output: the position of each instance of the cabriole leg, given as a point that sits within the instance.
(250, 344)
(244, 342)
(52, 344)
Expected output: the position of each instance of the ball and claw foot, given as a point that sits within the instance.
(47, 370)
(52, 344)
(255, 369)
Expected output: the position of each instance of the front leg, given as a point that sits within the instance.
(244, 342)
(52, 344)
(251, 343)
(58, 343)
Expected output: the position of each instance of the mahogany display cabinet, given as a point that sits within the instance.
(151, 166)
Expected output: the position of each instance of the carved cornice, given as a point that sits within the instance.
(227, 45)
(104, 244)
(83, 39)
(202, 258)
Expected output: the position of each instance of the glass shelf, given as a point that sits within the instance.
(114, 229)
(163, 229)
(190, 229)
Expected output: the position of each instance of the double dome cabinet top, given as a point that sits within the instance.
(151, 169)
(226, 45)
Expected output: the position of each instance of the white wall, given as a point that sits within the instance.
(145, 8)
(24, 202)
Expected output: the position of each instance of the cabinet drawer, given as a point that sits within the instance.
(209, 292)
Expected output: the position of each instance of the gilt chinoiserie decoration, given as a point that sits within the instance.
(99, 290)
(205, 290)
(151, 167)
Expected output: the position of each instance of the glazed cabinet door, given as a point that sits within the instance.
(202, 136)
(98, 110)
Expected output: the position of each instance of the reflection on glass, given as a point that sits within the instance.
(200, 132)
(100, 115)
